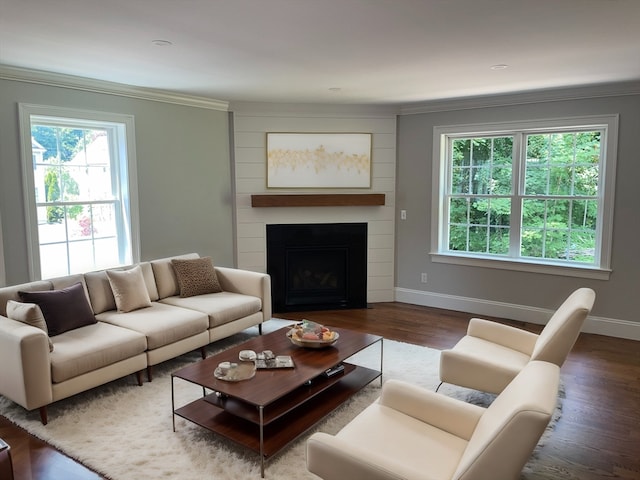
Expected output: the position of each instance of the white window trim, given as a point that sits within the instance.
(25, 111)
(607, 179)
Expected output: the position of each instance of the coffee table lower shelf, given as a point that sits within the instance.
(285, 419)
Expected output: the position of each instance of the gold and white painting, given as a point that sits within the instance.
(318, 160)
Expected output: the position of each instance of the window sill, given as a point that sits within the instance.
(523, 266)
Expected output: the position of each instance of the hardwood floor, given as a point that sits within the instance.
(597, 437)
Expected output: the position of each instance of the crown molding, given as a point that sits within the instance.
(109, 88)
(432, 106)
(521, 98)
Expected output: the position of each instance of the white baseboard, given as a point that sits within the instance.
(611, 327)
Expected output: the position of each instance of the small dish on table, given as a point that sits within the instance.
(235, 372)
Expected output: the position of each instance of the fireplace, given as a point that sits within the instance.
(319, 266)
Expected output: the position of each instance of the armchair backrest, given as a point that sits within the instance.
(561, 332)
(512, 425)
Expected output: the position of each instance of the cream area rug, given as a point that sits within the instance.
(125, 432)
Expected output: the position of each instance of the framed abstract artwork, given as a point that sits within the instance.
(318, 160)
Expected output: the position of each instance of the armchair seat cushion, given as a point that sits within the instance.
(481, 364)
(89, 348)
(415, 447)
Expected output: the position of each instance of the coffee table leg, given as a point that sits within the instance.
(261, 410)
(381, 358)
(173, 406)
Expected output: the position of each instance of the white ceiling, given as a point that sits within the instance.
(373, 51)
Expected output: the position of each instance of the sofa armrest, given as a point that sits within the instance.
(25, 376)
(505, 335)
(248, 283)
(449, 414)
(333, 458)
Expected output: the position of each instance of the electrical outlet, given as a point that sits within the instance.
(423, 278)
(403, 214)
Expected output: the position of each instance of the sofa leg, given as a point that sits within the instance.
(260, 328)
(149, 373)
(438, 387)
(43, 415)
(203, 353)
(139, 377)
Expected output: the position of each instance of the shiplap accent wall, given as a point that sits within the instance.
(249, 137)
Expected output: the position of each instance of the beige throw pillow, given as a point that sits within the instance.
(30, 314)
(129, 289)
(196, 276)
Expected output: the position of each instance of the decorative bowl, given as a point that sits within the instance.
(303, 342)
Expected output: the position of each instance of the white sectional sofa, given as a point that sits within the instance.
(135, 317)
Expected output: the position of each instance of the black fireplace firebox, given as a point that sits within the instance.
(318, 266)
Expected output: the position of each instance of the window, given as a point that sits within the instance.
(534, 196)
(80, 195)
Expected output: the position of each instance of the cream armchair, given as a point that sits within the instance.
(491, 354)
(413, 433)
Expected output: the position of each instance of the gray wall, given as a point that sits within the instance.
(184, 173)
(185, 199)
(617, 299)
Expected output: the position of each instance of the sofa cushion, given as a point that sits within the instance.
(129, 289)
(30, 314)
(59, 283)
(161, 324)
(11, 293)
(92, 347)
(222, 307)
(64, 309)
(196, 276)
(101, 294)
(165, 275)
(149, 280)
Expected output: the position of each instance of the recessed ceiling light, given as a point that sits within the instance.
(161, 43)
(500, 66)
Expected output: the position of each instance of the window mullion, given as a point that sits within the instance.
(446, 187)
(517, 193)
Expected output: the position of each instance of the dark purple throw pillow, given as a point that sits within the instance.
(63, 310)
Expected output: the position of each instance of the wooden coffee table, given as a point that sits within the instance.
(265, 413)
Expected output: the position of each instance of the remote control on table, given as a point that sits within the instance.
(330, 372)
